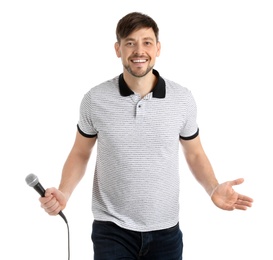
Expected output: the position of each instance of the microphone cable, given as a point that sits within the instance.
(68, 235)
(68, 240)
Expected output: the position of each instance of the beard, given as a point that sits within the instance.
(139, 73)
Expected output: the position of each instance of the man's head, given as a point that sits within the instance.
(137, 43)
(133, 22)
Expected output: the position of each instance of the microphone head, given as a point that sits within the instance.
(32, 180)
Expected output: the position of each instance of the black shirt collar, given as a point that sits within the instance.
(159, 91)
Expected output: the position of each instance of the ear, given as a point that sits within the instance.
(117, 49)
(158, 45)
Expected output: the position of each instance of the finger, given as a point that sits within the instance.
(243, 204)
(49, 192)
(54, 210)
(50, 203)
(240, 207)
(52, 207)
(245, 198)
(237, 181)
(44, 200)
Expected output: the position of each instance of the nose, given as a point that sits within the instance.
(138, 50)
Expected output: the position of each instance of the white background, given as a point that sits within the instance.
(52, 52)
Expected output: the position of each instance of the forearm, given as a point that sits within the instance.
(202, 170)
(73, 171)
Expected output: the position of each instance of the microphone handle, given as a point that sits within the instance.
(40, 189)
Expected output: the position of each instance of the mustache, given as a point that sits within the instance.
(138, 56)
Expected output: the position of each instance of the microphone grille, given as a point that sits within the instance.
(32, 180)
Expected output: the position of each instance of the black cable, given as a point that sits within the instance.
(68, 233)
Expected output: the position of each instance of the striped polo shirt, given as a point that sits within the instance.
(136, 179)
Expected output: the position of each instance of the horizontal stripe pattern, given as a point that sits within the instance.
(136, 180)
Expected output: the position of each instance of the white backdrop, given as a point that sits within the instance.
(52, 52)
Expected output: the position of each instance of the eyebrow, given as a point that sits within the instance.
(145, 39)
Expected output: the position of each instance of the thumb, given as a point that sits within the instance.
(59, 195)
(50, 191)
(237, 181)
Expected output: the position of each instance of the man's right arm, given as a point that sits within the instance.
(74, 169)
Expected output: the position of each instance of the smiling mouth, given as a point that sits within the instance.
(139, 61)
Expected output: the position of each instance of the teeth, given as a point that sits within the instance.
(139, 61)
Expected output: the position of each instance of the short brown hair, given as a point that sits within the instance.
(134, 21)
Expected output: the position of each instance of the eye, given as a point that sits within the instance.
(129, 44)
(148, 43)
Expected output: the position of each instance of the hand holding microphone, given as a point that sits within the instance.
(49, 203)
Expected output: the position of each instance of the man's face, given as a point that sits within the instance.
(138, 52)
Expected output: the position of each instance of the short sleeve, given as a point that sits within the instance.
(85, 124)
(190, 128)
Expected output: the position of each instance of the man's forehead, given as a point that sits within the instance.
(143, 33)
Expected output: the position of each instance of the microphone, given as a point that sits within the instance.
(33, 181)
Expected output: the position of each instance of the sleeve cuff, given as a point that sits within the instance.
(190, 137)
(84, 134)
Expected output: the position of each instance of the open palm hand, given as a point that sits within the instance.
(226, 198)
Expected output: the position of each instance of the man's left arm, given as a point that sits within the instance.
(223, 195)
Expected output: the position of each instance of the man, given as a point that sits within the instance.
(138, 120)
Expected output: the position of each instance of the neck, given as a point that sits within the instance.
(140, 85)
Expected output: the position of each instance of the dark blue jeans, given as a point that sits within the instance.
(112, 242)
